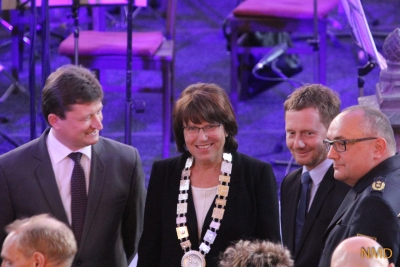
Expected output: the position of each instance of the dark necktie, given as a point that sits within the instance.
(78, 196)
(303, 206)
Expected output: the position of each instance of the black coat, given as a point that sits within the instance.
(327, 200)
(251, 211)
(368, 212)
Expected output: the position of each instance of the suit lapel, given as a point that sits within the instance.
(346, 204)
(323, 190)
(292, 196)
(355, 193)
(47, 181)
(96, 185)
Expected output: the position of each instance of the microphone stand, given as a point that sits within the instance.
(128, 103)
(45, 25)
(75, 11)
(315, 44)
(139, 105)
(32, 71)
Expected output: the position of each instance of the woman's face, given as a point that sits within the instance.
(205, 141)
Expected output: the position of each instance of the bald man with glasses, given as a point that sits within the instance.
(361, 143)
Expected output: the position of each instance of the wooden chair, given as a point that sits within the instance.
(276, 16)
(99, 50)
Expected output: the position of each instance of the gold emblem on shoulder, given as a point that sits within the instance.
(378, 185)
(372, 237)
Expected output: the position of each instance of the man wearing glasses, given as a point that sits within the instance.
(361, 143)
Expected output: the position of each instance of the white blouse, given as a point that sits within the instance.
(203, 198)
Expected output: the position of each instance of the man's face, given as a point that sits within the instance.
(358, 159)
(304, 137)
(12, 257)
(80, 127)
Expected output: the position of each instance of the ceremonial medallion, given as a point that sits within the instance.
(193, 258)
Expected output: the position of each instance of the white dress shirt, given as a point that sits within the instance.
(317, 174)
(63, 166)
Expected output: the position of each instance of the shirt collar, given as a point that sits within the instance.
(318, 173)
(58, 151)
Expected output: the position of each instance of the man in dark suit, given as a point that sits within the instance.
(105, 208)
(363, 149)
(308, 113)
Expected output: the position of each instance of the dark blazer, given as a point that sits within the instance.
(113, 220)
(327, 200)
(251, 211)
(368, 212)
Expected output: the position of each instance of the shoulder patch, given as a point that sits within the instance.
(379, 184)
(373, 238)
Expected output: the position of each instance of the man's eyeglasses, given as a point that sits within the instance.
(208, 129)
(340, 145)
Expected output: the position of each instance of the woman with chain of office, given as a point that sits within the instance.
(202, 201)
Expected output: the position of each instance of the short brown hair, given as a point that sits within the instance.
(69, 85)
(257, 253)
(204, 102)
(317, 96)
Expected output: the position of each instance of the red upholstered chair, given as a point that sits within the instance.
(99, 50)
(276, 16)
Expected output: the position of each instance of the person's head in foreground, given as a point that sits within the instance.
(359, 139)
(247, 253)
(359, 251)
(39, 241)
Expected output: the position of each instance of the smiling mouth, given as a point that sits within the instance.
(302, 152)
(94, 132)
(203, 146)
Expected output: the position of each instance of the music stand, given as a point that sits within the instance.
(129, 105)
(362, 34)
(15, 85)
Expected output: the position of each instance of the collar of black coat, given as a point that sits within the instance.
(386, 166)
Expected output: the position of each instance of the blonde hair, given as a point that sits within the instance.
(46, 235)
(317, 96)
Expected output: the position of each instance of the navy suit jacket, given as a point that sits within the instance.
(113, 219)
(368, 212)
(251, 211)
(327, 200)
